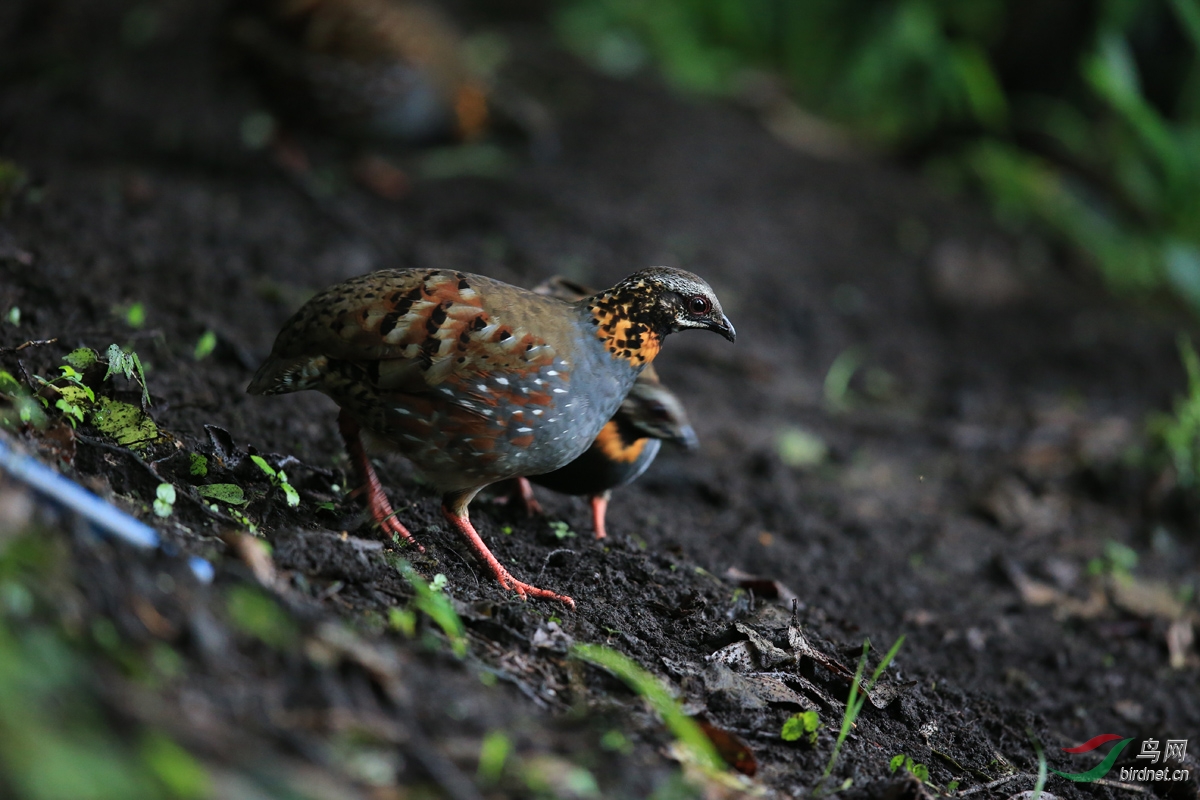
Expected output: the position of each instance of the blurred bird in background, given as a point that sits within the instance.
(390, 70)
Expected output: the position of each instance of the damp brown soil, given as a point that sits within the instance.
(928, 427)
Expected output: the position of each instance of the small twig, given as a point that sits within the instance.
(960, 767)
(550, 555)
(997, 782)
(1129, 787)
(30, 343)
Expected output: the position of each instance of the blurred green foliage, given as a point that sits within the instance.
(1177, 435)
(57, 738)
(1103, 151)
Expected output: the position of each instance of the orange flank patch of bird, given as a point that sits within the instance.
(614, 446)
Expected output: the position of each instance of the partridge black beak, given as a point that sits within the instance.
(725, 328)
(687, 439)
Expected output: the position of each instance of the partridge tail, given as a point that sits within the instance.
(284, 375)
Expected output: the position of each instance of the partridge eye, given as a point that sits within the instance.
(699, 305)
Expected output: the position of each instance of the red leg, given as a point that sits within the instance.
(519, 490)
(524, 491)
(377, 503)
(599, 510)
(454, 506)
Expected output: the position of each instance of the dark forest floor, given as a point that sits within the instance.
(975, 467)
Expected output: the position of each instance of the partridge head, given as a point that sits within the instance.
(626, 445)
(476, 381)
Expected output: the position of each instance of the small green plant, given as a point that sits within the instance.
(918, 771)
(435, 604)
(26, 408)
(238, 516)
(278, 480)
(257, 614)
(1178, 434)
(134, 315)
(74, 395)
(682, 727)
(13, 316)
(78, 402)
(129, 364)
(801, 726)
(562, 530)
(493, 754)
(617, 742)
(800, 448)
(837, 379)
(856, 700)
(1040, 783)
(403, 620)
(164, 500)
(204, 346)
(1118, 560)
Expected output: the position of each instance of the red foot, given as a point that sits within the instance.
(463, 524)
(599, 511)
(377, 503)
(521, 490)
(525, 491)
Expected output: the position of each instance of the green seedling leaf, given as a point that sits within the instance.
(164, 501)
(10, 385)
(801, 726)
(290, 494)
(403, 620)
(1122, 557)
(682, 727)
(493, 753)
(129, 365)
(135, 315)
(13, 317)
(920, 772)
(205, 345)
(72, 412)
(124, 423)
(255, 613)
(436, 606)
(77, 392)
(799, 448)
(439, 582)
(198, 464)
(837, 380)
(896, 763)
(327, 506)
(617, 742)
(82, 358)
(229, 493)
(263, 465)
(561, 530)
